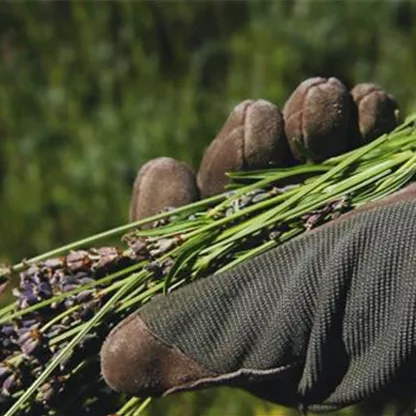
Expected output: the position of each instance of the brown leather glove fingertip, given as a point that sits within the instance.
(317, 115)
(378, 111)
(161, 183)
(224, 154)
(265, 143)
(136, 361)
(252, 138)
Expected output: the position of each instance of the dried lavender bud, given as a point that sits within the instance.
(138, 245)
(43, 290)
(163, 245)
(85, 280)
(316, 217)
(78, 260)
(252, 197)
(68, 287)
(157, 268)
(275, 235)
(30, 340)
(378, 112)
(31, 347)
(11, 385)
(317, 116)
(55, 330)
(5, 372)
(25, 298)
(28, 322)
(260, 197)
(161, 183)
(33, 270)
(84, 296)
(329, 211)
(85, 313)
(8, 330)
(54, 263)
(163, 221)
(49, 391)
(252, 137)
(167, 265)
(340, 207)
(67, 320)
(229, 211)
(247, 199)
(106, 257)
(313, 220)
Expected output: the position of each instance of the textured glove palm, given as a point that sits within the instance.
(322, 322)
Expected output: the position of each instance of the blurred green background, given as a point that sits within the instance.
(89, 91)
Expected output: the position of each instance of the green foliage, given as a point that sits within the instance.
(89, 92)
(228, 402)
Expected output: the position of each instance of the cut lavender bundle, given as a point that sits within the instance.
(56, 295)
(68, 300)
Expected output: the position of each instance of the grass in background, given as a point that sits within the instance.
(88, 92)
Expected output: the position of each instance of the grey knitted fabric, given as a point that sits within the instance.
(328, 318)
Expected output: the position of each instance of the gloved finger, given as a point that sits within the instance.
(162, 183)
(378, 112)
(325, 320)
(251, 138)
(317, 116)
(327, 120)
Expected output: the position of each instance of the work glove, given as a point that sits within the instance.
(321, 322)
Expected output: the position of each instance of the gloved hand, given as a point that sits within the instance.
(323, 321)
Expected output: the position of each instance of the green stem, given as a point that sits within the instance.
(142, 406)
(114, 232)
(134, 401)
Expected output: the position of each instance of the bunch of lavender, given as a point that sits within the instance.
(68, 299)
